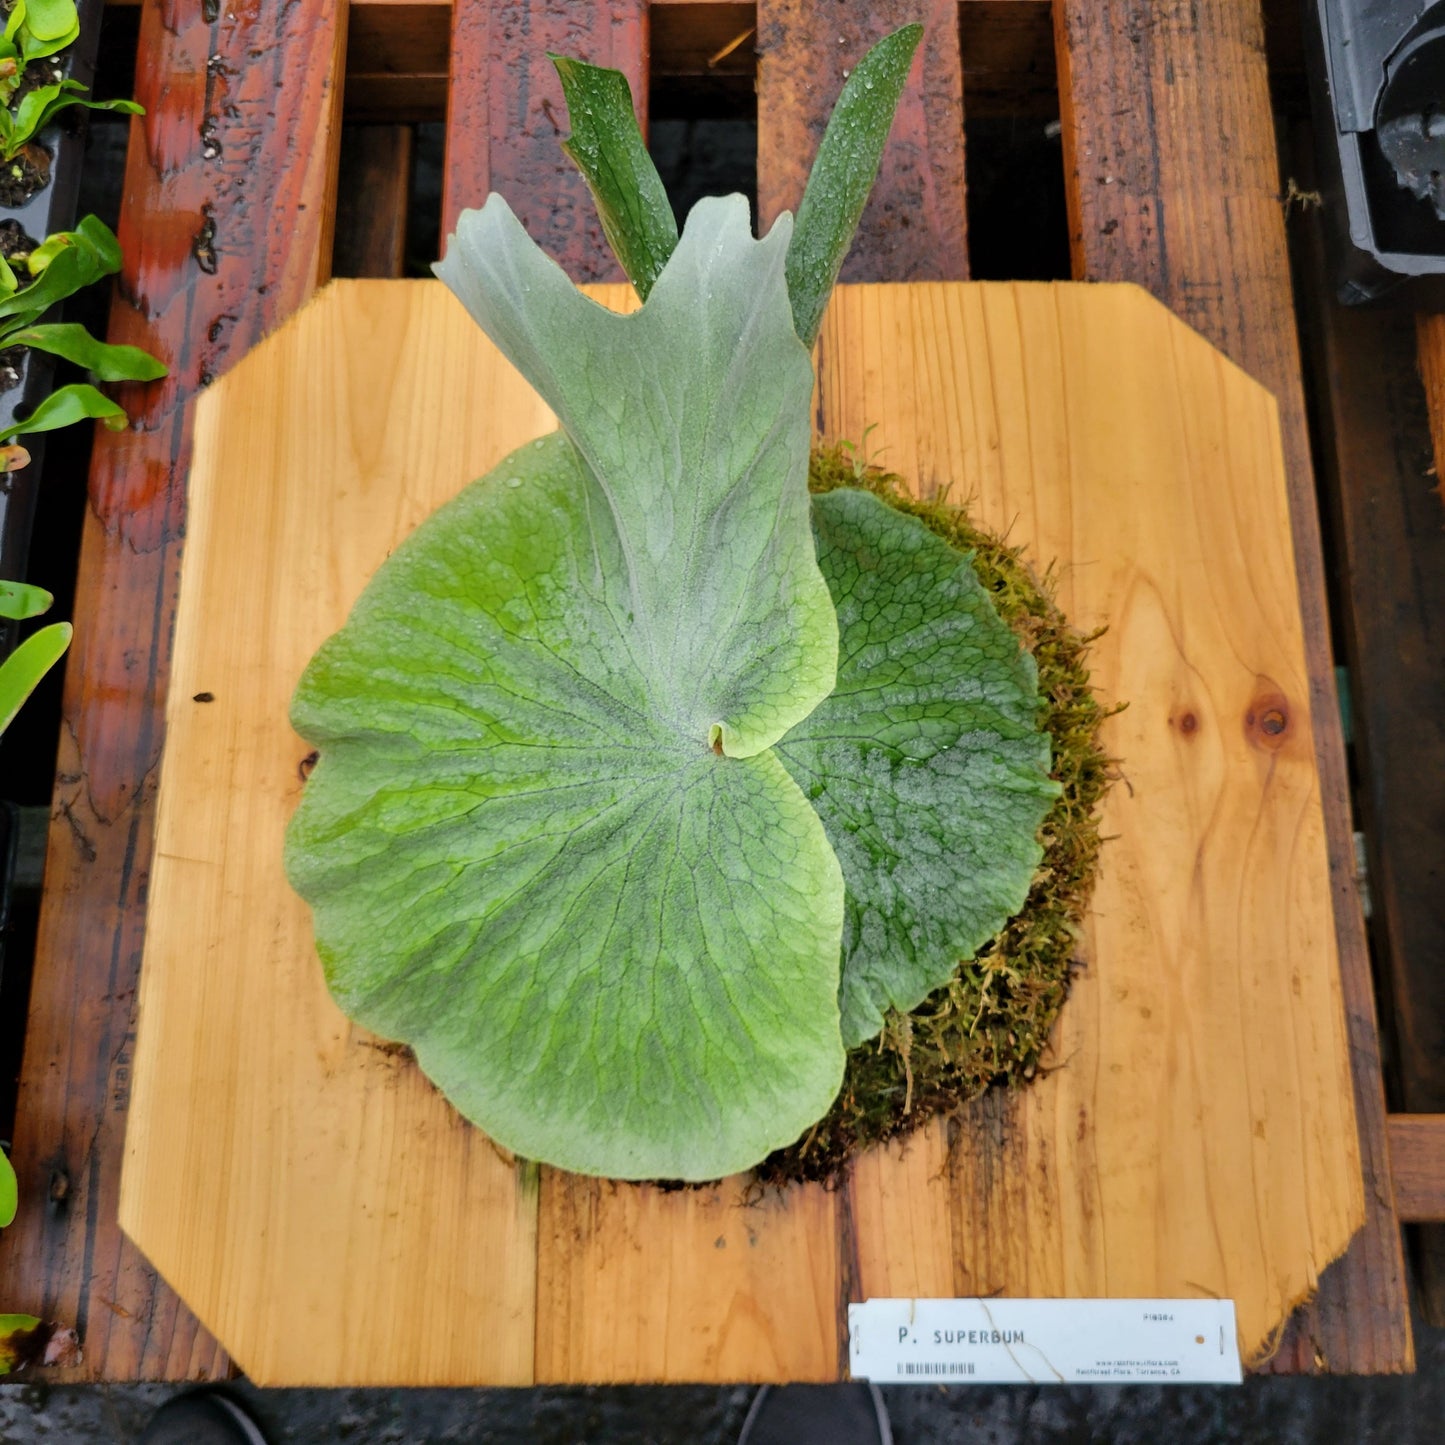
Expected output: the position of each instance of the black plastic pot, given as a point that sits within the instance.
(49, 210)
(1377, 77)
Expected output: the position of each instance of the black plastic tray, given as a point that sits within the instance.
(1377, 74)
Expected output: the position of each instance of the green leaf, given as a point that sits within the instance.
(40, 106)
(843, 174)
(15, 19)
(30, 112)
(89, 253)
(15, 1348)
(78, 402)
(51, 19)
(926, 765)
(692, 416)
(94, 236)
(47, 251)
(545, 843)
(75, 343)
(32, 47)
(21, 601)
(9, 282)
(607, 146)
(21, 672)
(9, 1191)
(613, 950)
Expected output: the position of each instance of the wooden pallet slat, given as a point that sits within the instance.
(505, 116)
(373, 196)
(915, 224)
(225, 228)
(396, 60)
(1146, 93)
(1417, 1154)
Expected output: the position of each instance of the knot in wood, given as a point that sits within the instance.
(1267, 721)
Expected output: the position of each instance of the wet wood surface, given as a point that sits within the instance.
(914, 227)
(505, 116)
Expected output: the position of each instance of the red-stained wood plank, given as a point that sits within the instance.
(1417, 1161)
(1173, 182)
(226, 228)
(506, 116)
(914, 228)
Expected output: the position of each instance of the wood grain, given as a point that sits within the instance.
(506, 116)
(1208, 655)
(640, 1285)
(225, 227)
(1173, 182)
(1417, 1162)
(914, 227)
(1195, 1135)
(430, 1265)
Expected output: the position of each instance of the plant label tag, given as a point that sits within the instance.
(1044, 1341)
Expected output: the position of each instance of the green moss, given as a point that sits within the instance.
(990, 1024)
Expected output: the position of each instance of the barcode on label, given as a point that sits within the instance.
(947, 1367)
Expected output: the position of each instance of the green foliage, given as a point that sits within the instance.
(607, 147)
(21, 672)
(925, 765)
(38, 107)
(73, 342)
(8, 1191)
(17, 1341)
(607, 824)
(549, 715)
(65, 263)
(61, 265)
(34, 29)
(20, 601)
(705, 475)
(77, 402)
(991, 1021)
(843, 174)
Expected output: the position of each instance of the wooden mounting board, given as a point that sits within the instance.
(330, 1218)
